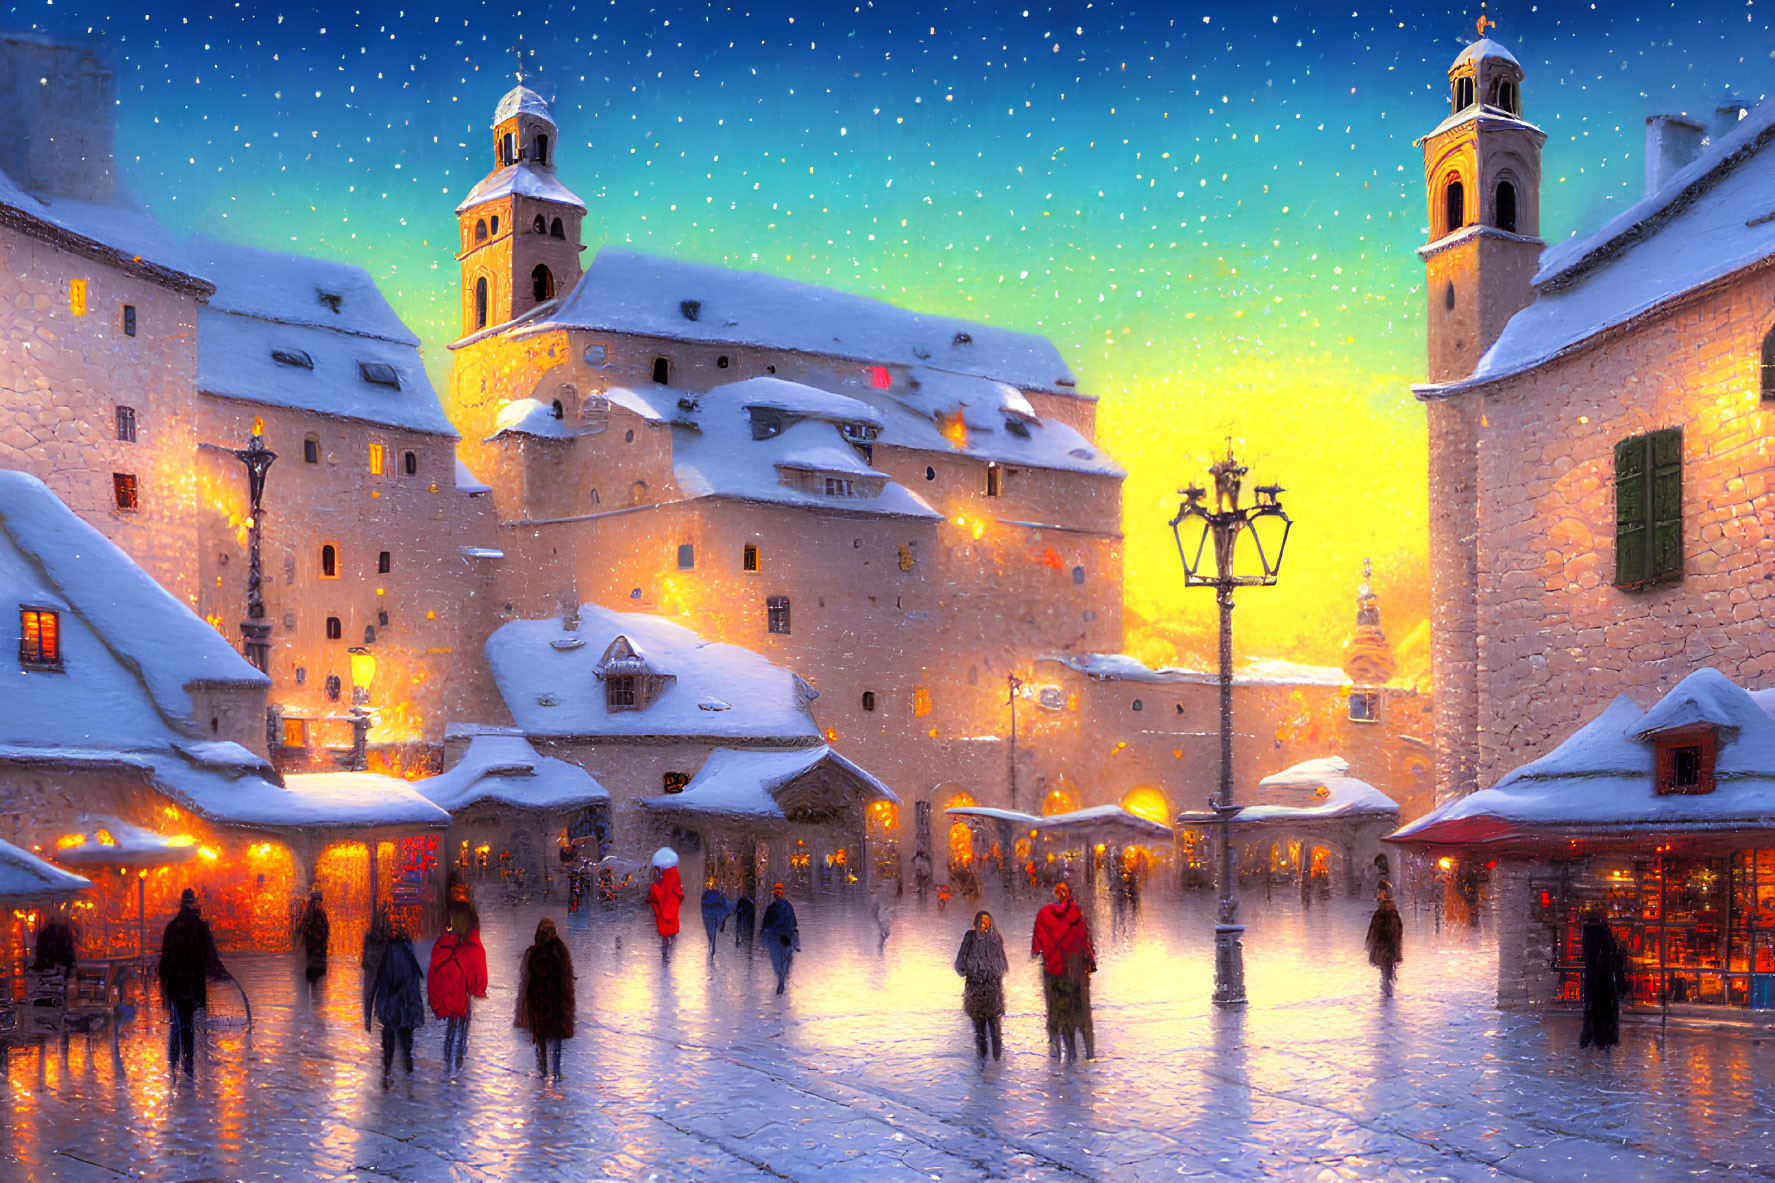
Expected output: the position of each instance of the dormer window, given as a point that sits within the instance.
(630, 683)
(619, 692)
(838, 487)
(1685, 760)
(292, 357)
(39, 639)
(379, 373)
(860, 433)
(330, 299)
(766, 422)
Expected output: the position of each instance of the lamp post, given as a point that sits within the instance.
(255, 632)
(1013, 684)
(363, 672)
(1196, 527)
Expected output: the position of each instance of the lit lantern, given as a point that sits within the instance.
(363, 668)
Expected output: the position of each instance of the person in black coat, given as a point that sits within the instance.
(745, 917)
(397, 998)
(1386, 938)
(781, 935)
(317, 932)
(981, 963)
(188, 960)
(546, 1005)
(1605, 981)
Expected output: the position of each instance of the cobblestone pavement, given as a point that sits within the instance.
(865, 1070)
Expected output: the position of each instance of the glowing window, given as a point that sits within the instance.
(39, 638)
(295, 733)
(921, 701)
(77, 297)
(123, 488)
(749, 558)
(880, 378)
(378, 457)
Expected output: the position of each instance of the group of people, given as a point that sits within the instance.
(779, 932)
(1063, 942)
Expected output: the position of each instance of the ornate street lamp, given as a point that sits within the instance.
(1196, 528)
(255, 632)
(363, 672)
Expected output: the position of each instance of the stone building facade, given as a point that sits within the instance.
(1598, 477)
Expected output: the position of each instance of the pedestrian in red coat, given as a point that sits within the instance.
(1063, 943)
(458, 972)
(667, 896)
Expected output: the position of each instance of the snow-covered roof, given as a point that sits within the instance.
(1485, 47)
(1603, 778)
(1335, 794)
(506, 769)
(793, 398)
(625, 291)
(525, 180)
(235, 359)
(521, 100)
(297, 290)
(921, 410)
(1027, 820)
(530, 416)
(467, 481)
(714, 454)
(1257, 671)
(331, 326)
(1102, 816)
(1707, 221)
(25, 876)
(131, 233)
(554, 689)
(313, 799)
(58, 561)
(752, 784)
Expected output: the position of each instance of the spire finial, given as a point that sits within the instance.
(518, 50)
(1484, 21)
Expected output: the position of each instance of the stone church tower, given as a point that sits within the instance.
(520, 226)
(1482, 179)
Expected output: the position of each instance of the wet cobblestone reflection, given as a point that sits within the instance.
(865, 1070)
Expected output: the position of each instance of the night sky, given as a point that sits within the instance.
(1210, 208)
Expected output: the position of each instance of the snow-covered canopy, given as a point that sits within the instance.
(24, 876)
(110, 842)
(122, 634)
(1105, 818)
(558, 691)
(1022, 820)
(773, 785)
(1707, 221)
(1329, 792)
(312, 334)
(1602, 780)
(625, 291)
(525, 180)
(349, 800)
(506, 769)
(529, 416)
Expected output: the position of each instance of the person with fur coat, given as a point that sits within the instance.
(545, 997)
(982, 965)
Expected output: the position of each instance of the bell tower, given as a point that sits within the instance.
(520, 227)
(1482, 175)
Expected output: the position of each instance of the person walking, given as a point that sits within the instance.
(667, 896)
(782, 936)
(458, 973)
(745, 920)
(316, 932)
(1386, 935)
(716, 910)
(375, 947)
(188, 960)
(394, 997)
(545, 997)
(1063, 943)
(981, 963)
(1604, 981)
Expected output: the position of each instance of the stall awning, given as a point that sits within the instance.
(506, 769)
(24, 876)
(1104, 821)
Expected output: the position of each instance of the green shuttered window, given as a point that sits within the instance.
(1649, 509)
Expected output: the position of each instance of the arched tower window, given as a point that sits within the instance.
(542, 149)
(660, 371)
(1464, 93)
(1506, 206)
(480, 229)
(542, 283)
(481, 303)
(329, 561)
(1454, 206)
(508, 153)
(540, 225)
(1769, 367)
(1504, 96)
(555, 230)
(1448, 296)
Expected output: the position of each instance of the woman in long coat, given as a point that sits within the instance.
(1605, 981)
(546, 1006)
(1063, 943)
(982, 965)
(667, 896)
(1386, 936)
(316, 934)
(395, 998)
(781, 935)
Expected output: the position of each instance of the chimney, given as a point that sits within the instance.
(1726, 115)
(1672, 141)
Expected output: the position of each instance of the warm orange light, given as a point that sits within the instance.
(104, 837)
(953, 429)
(1445, 863)
(258, 425)
(182, 840)
(363, 667)
(70, 841)
(207, 853)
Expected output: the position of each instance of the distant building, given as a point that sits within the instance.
(1597, 413)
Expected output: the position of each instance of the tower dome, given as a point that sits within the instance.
(521, 100)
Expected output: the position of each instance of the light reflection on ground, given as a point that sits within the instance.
(865, 1069)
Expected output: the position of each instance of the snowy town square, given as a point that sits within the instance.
(865, 1070)
(668, 590)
